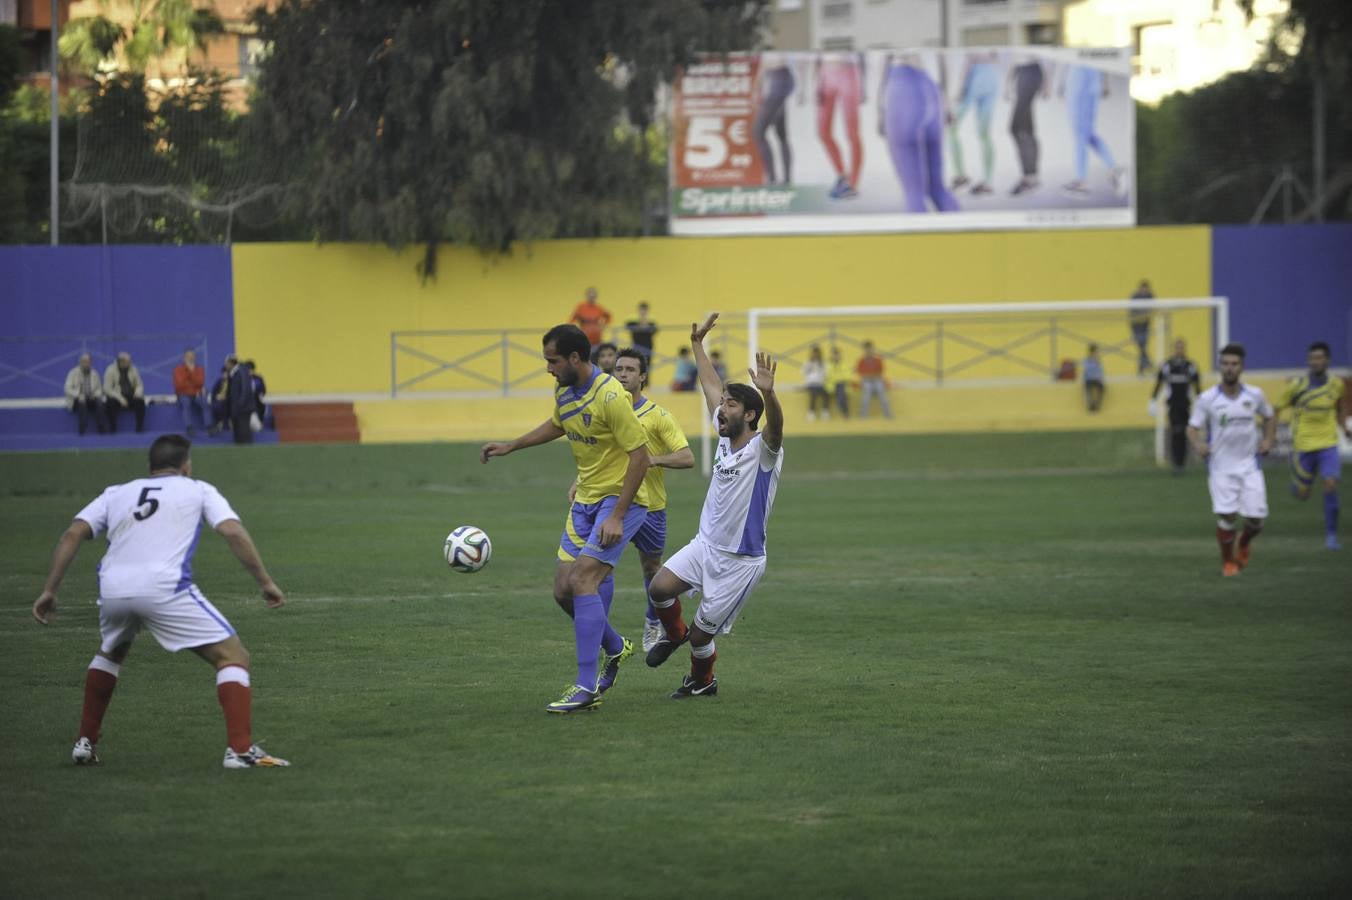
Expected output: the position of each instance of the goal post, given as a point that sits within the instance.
(989, 345)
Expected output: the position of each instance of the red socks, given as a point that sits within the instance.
(702, 670)
(1248, 534)
(1227, 541)
(100, 679)
(232, 689)
(672, 620)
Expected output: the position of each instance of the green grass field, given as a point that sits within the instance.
(997, 666)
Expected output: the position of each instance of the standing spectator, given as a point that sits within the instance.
(1181, 374)
(122, 383)
(641, 331)
(220, 412)
(838, 382)
(814, 380)
(603, 357)
(591, 317)
(871, 382)
(260, 389)
(720, 368)
(686, 373)
(1093, 379)
(189, 387)
(1139, 319)
(239, 400)
(84, 394)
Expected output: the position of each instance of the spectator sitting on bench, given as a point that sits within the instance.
(122, 383)
(84, 394)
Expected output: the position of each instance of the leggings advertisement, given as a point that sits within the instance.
(904, 140)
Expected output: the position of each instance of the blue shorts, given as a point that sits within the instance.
(1305, 467)
(652, 537)
(582, 531)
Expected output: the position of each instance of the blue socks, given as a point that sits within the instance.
(589, 623)
(1331, 512)
(611, 641)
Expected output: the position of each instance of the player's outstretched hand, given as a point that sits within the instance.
(697, 332)
(492, 449)
(273, 596)
(763, 376)
(44, 608)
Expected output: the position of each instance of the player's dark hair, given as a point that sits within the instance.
(1320, 345)
(170, 451)
(631, 353)
(601, 346)
(1233, 350)
(749, 397)
(567, 340)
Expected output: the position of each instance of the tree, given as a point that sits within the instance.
(158, 31)
(477, 121)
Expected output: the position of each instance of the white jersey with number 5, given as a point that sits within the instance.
(741, 493)
(152, 526)
(1233, 426)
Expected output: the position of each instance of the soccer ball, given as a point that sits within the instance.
(467, 549)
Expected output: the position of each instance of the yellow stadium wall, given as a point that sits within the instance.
(319, 317)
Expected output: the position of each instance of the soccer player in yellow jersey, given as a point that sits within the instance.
(1317, 406)
(611, 451)
(667, 449)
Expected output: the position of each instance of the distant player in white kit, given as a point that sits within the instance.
(145, 580)
(726, 559)
(1229, 412)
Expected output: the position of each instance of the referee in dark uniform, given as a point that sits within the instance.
(1180, 374)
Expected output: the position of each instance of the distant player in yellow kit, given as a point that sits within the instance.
(1316, 401)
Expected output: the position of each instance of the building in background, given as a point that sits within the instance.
(33, 19)
(1177, 45)
(876, 24)
(234, 53)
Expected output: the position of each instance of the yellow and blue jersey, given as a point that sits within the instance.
(1314, 407)
(664, 436)
(599, 421)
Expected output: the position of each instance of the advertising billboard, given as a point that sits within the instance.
(903, 140)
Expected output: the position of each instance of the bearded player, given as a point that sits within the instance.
(726, 559)
(1229, 412)
(610, 449)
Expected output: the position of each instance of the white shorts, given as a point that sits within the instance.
(724, 579)
(1244, 493)
(178, 622)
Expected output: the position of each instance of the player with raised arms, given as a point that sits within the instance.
(726, 559)
(145, 581)
(611, 452)
(1316, 401)
(1229, 412)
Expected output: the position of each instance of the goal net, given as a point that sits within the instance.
(1004, 354)
(167, 162)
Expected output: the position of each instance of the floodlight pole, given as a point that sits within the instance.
(56, 129)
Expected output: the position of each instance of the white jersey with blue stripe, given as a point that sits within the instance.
(152, 525)
(741, 492)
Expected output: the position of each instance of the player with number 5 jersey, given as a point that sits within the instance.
(145, 581)
(726, 559)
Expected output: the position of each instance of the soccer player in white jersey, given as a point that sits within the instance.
(1229, 412)
(727, 557)
(145, 581)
